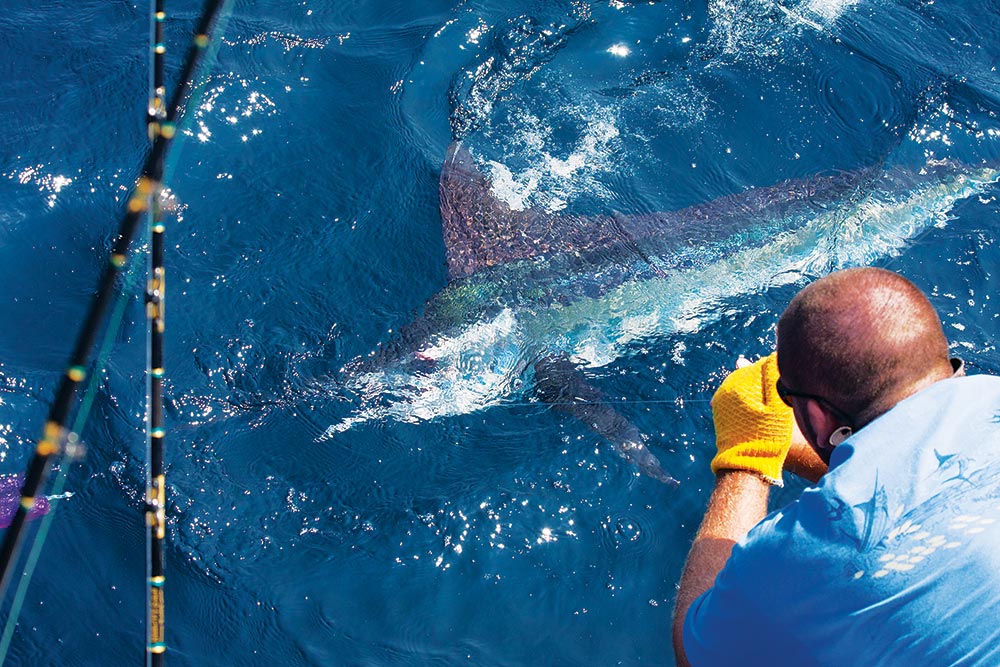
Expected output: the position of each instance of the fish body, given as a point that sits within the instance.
(528, 285)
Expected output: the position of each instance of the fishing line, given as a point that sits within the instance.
(623, 401)
(55, 435)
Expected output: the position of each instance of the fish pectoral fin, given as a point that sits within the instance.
(560, 383)
(639, 455)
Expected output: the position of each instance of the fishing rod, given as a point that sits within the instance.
(55, 434)
(156, 111)
(156, 493)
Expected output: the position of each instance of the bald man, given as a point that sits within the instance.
(893, 557)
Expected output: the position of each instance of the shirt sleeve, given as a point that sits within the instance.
(725, 624)
(746, 618)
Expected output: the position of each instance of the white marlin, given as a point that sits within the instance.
(535, 295)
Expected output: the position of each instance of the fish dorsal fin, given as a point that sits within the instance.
(481, 230)
(474, 221)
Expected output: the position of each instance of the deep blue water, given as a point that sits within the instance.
(308, 230)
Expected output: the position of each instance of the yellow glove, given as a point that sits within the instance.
(753, 426)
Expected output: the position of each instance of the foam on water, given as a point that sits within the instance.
(830, 10)
(551, 181)
(753, 32)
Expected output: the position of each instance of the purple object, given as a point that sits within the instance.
(10, 498)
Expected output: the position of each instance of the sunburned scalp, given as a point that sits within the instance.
(864, 339)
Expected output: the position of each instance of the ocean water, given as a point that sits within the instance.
(306, 233)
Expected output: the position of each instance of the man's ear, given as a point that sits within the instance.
(822, 425)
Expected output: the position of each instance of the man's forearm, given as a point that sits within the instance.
(738, 503)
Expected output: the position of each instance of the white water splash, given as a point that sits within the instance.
(820, 15)
(552, 181)
(830, 10)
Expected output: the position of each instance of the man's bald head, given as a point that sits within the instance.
(863, 339)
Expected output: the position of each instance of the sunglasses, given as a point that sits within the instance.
(786, 394)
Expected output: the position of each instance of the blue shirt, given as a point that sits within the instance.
(893, 559)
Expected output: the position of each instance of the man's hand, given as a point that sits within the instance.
(753, 426)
